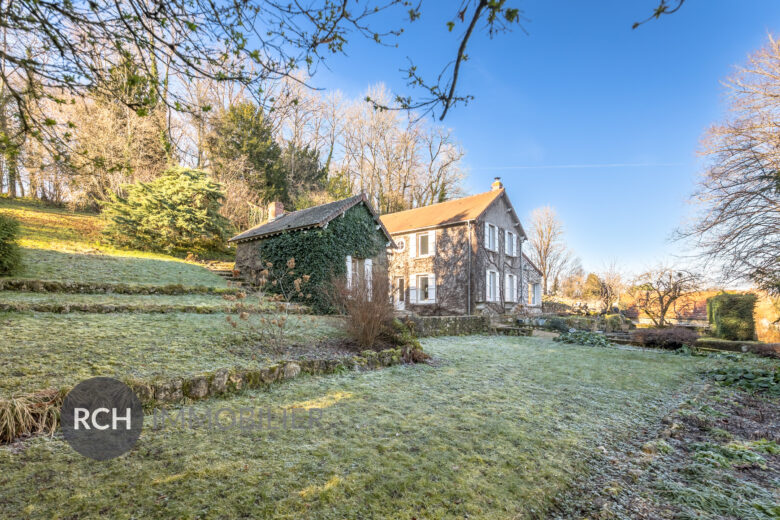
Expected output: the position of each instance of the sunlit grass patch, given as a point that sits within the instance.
(495, 430)
(62, 245)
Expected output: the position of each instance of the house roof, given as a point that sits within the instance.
(317, 216)
(444, 213)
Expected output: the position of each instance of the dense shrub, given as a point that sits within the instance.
(584, 338)
(613, 322)
(557, 324)
(176, 213)
(10, 257)
(671, 338)
(731, 316)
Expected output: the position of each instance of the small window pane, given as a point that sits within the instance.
(423, 247)
(422, 283)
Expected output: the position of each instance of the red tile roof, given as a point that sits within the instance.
(450, 212)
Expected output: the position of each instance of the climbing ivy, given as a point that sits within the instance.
(320, 253)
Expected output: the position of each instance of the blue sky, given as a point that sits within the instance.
(583, 89)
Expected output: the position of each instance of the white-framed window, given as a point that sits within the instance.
(423, 289)
(349, 272)
(401, 245)
(534, 293)
(491, 286)
(491, 237)
(423, 244)
(510, 245)
(510, 291)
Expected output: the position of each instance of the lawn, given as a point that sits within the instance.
(135, 301)
(495, 429)
(62, 245)
(41, 350)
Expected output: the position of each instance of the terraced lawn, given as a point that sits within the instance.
(135, 301)
(497, 428)
(58, 244)
(42, 350)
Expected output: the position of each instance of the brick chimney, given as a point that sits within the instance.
(496, 184)
(275, 210)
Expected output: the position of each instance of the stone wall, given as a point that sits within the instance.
(227, 381)
(449, 264)
(448, 325)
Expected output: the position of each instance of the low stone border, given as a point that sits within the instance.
(448, 325)
(107, 308)
(761, 349)
(46, 286)
(44, 419)
(226, 381)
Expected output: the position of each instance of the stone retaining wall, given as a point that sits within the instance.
(227, 381)
(43, 407)
(46, 286)
(448, 325)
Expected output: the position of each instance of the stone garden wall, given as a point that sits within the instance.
(448, 325)
(42, 408)
(226, 381)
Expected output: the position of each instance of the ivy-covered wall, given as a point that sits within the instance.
(319, 253)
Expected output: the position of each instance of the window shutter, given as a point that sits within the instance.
(487, 235)
(507, 293)
(432, 242)
(432, 287)
(537, 294)
(487, 286)
(368, 266)
(514, 245)
(412, 245)
(349, 272)
(413, 289)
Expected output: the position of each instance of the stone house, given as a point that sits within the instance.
(462, 257)
(338, 233)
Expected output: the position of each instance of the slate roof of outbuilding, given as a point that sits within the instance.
(317, 216)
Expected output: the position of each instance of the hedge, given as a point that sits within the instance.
(10, 256)
(731, 316)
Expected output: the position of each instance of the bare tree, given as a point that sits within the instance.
(657, 290)
(610, 286)
(739, 195)
(572, 283)
(548, 250)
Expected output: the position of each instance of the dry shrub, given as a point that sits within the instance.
(367, 307)
(29, 414)
(671, 338)
(271, 321)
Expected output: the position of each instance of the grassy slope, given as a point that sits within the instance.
(495, 431)
(62, 245)
(62, 349)
(206, 301)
